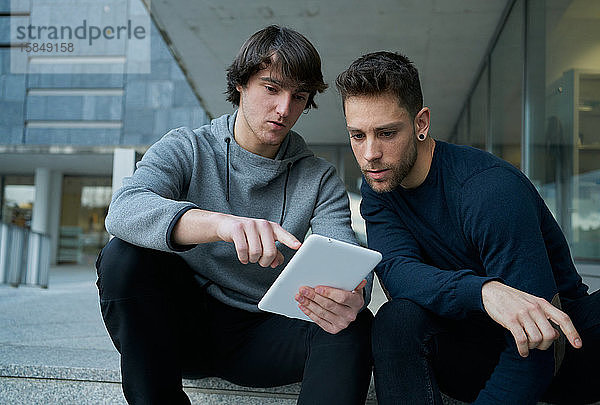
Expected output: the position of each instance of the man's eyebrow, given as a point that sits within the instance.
(280, 83)
(271, 80)
(391, 125)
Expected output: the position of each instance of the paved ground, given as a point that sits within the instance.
(54, 347)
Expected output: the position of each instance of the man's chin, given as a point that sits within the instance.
(380, 186)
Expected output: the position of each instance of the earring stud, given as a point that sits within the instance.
(421, 137)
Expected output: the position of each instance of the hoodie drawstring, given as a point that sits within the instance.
(287, 176)
(227, 141)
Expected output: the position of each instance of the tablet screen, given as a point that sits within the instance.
(319, 261)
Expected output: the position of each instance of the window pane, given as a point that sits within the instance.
(506, 88)
(85, 203)
(570, 182)
(352, 174)
(478, 112)
(18, 199)
(462, 129)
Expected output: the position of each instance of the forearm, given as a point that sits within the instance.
(197, 226)
(450, 294)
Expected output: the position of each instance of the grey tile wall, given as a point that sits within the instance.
(12, 114)
(83, 81)
(14, 88)
(4, 29)
(72, 136)
(12, 102)
(18, 5)
(151, 104)
(160, 101)
(95, 108)
(46, 136)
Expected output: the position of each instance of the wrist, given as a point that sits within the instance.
(198, 226)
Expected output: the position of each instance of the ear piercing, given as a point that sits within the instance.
(421, 137)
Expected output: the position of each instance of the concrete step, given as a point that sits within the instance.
(44, 391)
(79, 385)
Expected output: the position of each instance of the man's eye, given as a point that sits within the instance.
(388, 134)
(271, 89)
(357, 136)
(300, 97)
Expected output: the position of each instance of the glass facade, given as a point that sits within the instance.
(80, 112)
(506, 88)
(536, 104)
(478, 112)
(84, 207)
(18, 196)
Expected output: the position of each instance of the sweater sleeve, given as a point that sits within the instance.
(404, 272)
(502, 219)
(331, 216)
(147, 206)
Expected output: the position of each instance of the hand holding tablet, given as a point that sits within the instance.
(321, 261)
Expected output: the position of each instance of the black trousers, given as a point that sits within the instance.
(165, 326)
(417, 354)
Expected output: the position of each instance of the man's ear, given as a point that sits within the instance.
(422, 120)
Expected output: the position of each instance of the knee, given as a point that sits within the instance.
(400, 323)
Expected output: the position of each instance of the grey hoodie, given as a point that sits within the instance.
(206, 168)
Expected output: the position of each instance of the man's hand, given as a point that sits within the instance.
(254, 239)
(331, 308)
(526, 317)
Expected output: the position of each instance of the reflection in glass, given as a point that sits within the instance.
(17, 200)
(571, 184)
(506, 89)
(85, 203)
(478, 112)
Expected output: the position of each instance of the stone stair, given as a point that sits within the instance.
(72, 385)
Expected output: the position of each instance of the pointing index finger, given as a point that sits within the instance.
(565, 323)
(285, 237)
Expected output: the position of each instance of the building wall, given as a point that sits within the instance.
(95, 109)
(536, 103)
(79, 113)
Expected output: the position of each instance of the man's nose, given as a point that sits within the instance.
(284, 102)
(372, 150)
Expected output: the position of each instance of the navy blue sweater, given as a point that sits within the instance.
(474, 219)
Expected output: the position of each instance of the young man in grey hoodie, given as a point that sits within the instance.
(206, 224)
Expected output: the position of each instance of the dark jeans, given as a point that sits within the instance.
(417, 354)
(166, 327)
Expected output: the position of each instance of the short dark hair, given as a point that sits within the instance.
(383, 72)
(297, 61)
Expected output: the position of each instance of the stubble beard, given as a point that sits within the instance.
(398, 171)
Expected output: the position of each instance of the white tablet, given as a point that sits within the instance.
(319, 261)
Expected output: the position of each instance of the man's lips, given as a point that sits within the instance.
(376, 174)
(277, 124)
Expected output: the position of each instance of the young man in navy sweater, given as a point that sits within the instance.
(472, 259)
